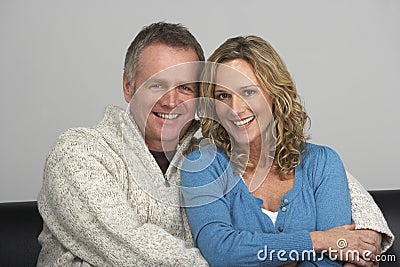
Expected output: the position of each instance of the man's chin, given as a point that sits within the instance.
(170, 137)
(168, 134)
(173, 129)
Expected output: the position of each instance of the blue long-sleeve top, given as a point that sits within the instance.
(229, 226)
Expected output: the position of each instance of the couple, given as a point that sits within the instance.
(111, 194)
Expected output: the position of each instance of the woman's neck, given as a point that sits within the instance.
(261, 162)
(259, 154)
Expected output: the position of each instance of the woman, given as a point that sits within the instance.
(259, 188)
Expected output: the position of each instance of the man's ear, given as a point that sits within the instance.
(127, 88)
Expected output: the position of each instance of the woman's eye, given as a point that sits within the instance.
(223, 96)
(249, 92)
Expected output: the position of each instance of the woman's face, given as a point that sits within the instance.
(243, 107)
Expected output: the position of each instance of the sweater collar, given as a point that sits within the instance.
(132, 148)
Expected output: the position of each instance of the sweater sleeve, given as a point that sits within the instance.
(88, 212)
(366, 214)
(331, 192)
(208, 210)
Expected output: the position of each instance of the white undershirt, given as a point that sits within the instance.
(271, 214)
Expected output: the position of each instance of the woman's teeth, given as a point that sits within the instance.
(244, 122)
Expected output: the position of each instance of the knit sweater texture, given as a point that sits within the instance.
(105, 202)
(224, 216)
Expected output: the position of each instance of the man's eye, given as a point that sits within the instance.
(155, 86)
(185, 87)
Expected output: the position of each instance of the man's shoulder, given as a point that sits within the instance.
(76, 142)
(113, 116)
(98, 135)
(78, 134)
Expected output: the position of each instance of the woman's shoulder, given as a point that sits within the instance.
(320, 162)
(208, 153)
(208, 162)
(314, 153)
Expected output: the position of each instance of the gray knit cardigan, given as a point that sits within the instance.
(105, 202)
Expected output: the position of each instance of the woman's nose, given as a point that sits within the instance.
(237, 105)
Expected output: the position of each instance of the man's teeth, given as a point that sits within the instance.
(167, 116)
(243, 122)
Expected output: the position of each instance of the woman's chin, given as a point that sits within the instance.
(243, 140)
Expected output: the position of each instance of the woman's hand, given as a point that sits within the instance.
(293, 264)
(347, 244)
(348, 264)
(377, 237)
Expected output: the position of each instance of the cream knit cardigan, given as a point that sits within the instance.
(105, 202)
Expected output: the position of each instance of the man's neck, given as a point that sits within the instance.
(161, 146)
(163, 159)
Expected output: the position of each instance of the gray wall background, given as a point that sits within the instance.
(61, 65)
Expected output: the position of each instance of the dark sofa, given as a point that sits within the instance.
(20, 225)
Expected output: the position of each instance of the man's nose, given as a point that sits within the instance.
(170, 98)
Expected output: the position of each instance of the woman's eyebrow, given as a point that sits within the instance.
(249, 86)
(223, 89)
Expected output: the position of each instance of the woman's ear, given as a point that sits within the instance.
(127, 88)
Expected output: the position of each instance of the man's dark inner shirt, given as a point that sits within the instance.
(162, 159)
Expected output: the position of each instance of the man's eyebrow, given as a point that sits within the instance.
(186, 82)
(157, 80)
(167, 82)
(161, 82)
(224, 89)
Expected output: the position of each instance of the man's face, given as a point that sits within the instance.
(163, 103)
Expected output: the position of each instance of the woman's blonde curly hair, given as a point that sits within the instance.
(289, 114)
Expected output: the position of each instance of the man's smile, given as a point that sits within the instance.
(166, 116)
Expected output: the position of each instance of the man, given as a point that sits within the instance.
(93, 209)
(110, 195)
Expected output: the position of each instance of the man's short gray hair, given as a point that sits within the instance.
(170, 34)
